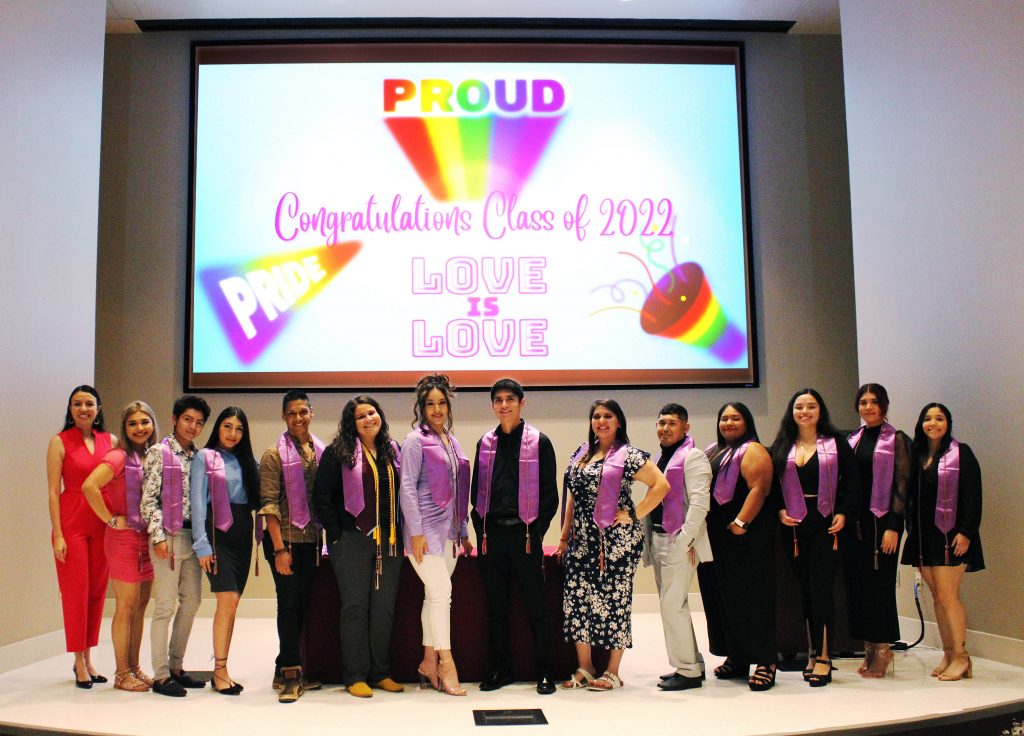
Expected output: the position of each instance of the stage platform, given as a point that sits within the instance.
(41, 699)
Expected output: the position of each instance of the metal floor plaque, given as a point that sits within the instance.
(516, 717)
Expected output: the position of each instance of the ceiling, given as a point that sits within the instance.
(808, 16)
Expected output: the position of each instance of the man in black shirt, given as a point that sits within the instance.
(515, 497)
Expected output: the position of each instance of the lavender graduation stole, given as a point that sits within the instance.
(828, 480)
(295, 479)
(529, 473)
(133, 490)
(352, 479)
(883, 462)
(949, 488)
(728, 472)
(612, 471)
(436, 464)
(172, 489)
(674, 505)
(217, 484)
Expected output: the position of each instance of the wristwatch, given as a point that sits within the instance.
(740, 523)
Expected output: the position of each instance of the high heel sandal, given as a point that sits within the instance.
(821, 680)
(762, 678)
(947, 659)
(882, 663)
(125, 680)
(869, 658)
(446, 669)
(221, 663)
(427, 676)
(811, 659)
(965, 673)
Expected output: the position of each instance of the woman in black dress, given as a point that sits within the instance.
(224, 492)
(872, 539)
(738, 585)
(944, 513)
(817, 472)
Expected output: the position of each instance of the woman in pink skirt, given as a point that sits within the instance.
(119, 475)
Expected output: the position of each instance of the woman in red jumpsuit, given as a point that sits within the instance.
(77, 532)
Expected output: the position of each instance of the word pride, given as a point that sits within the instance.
(255, 300)
(481, 283)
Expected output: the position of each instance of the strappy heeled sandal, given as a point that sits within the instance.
(821, 680)
(584, 681)
(446, 671)
(125, 680)
(763, 677)
(607, 681)
(947, 658)
(221, 663)
(730, 670)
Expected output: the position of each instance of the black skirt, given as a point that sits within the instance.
(232, 551)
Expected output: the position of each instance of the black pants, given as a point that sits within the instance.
(292, 598)
(367, 612)
(506, 557)
(870, 580)
(815, 567)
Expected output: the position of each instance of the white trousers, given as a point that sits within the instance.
(436, 616)
(673, 573)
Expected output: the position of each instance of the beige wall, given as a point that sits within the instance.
(935, 111)
(49, 155)
(802, 259)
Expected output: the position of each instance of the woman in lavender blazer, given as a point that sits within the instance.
(435, 507)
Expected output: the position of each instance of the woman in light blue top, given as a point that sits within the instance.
(435, 507)
(224, 493)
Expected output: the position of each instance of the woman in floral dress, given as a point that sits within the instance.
(601, 542)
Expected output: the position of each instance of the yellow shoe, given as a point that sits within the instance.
(389, 685)
(360, 690)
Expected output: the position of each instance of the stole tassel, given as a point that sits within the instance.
(527, 539)
(600, 556)
(170, 543)
(875, 538)
(483, 540)
(947, 554)
(796, 547)
(378, 569)
(693, 557)
(835, 542)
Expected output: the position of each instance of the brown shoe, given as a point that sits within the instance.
(291, 684)
(360, 690)
(388, 685)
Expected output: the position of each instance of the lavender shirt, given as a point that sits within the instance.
(421, 516)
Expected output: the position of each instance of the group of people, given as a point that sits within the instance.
(155, 514)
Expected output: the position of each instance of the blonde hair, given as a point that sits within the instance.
(145, 409)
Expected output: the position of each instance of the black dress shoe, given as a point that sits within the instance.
(680, 682)
(186, 680)
(98, 679)
(669, 676)
(545, 685)
(169, 687)
(496, 681)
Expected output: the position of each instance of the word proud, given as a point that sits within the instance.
(254, 300)
(475, 96)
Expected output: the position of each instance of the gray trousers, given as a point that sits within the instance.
(366, 612)
(673, 573)
(181, 589)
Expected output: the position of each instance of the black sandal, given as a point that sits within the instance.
(810, 666)
(821, 680)
(729, 670)
(763, 677)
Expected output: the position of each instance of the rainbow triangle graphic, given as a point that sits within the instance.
(465, 158)
(254, 301)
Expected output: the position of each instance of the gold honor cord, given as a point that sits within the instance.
(392, 536)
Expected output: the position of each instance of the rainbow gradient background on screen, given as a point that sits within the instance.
(489, 137)
(254, 301)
